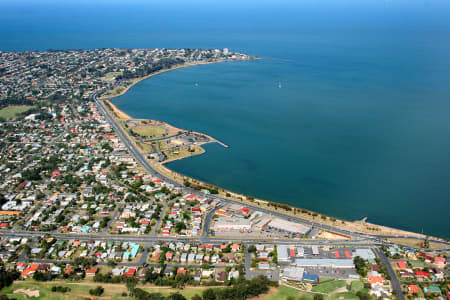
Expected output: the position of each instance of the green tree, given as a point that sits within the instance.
(209, 294)
(318, 297)
(196, 297)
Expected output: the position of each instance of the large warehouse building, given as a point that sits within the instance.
(324, 263)
(288, 226)
(228, 224)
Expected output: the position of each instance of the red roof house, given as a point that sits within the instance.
(413, 289)
(130, 272)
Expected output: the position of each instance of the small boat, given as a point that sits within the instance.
(196, 84)
(279, 85)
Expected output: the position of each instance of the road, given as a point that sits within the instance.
(113, 217)
(208, 239)
(396, 285)
(208, 220)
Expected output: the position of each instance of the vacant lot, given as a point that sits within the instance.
(11, 112)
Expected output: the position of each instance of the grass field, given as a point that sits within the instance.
(415, 243)
(112, 75)
(356, 286)
(149, 131)
(145, 147)
(283, 292)
(344, 296)
(80, 290)
(329, 287)
(11, 112)
(184, 152)
(325, 279)
(188, 292)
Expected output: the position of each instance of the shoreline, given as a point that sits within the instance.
(355, 226)
(136, 80)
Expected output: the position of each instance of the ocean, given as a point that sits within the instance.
(347, 113)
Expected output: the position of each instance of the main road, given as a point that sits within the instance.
(206, 240)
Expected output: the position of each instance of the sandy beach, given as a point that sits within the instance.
(120, 114)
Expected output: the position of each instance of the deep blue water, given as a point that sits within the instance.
(359, 128)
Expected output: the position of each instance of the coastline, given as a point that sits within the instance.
(180, 66)
(355, 226)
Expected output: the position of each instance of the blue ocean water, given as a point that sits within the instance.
(359, 128)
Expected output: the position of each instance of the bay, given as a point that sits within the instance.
(359, 128)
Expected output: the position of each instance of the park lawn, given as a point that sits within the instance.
(79, 290)
(112, 75)
(149, 130)
(356, 286)
(329, 287)
(325, 279)
(183, 152)
(11, 112)
(344, 296)
(144, 147)
(415, 243)
(187, 292)
(283, 292)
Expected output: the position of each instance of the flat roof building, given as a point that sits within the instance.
(282, 253)
(315, 250)
(324, 263)
(227, 224)
(288, 226)
(292, 273)
(365, 253)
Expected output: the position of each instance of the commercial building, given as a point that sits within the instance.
(228, 224)
(324, 263)
(365, 253)
(282, 253)
(288, 226)
(292, 273)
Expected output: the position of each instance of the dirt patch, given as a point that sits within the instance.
(28, 292)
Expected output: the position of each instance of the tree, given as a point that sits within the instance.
(252, 248)
(98, 291)
(318, 297)
(209, 294)
(196, 297)
(360, 265)
(176, 296)
(131, 284)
